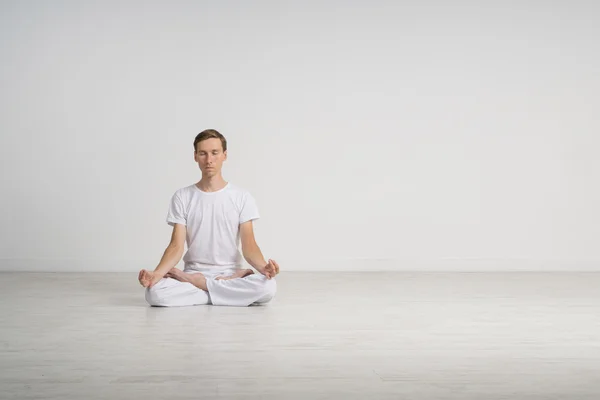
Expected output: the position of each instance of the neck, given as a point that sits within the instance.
(211, 183)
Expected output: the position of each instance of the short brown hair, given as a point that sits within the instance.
(210, 134)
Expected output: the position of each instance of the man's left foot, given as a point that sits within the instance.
(242, 273)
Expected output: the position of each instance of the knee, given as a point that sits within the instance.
(271, 287)
(152, 297)
(269, 290)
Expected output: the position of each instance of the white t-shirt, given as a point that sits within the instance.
(213, 220)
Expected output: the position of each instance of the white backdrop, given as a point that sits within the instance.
(431, 135)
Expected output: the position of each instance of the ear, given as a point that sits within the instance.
(225, 154)
(195, 159)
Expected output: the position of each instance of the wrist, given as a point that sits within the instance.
(260, 268)
(161, 270)
(258, 265)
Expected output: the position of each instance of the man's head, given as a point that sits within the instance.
(210, 151)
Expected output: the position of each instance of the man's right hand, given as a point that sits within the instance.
(148, 278)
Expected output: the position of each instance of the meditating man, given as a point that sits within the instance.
(212, 216)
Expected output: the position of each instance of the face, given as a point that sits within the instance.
(210, 156)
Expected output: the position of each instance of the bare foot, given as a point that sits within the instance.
(177, 274)
(242, 273)
(197, 280)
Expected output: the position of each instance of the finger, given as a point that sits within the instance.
(272, 268)
(276, 266)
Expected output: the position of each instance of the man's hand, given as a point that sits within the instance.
(270, 270)
(148, 278)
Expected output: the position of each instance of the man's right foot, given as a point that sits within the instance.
(177, 274)
(197, 280)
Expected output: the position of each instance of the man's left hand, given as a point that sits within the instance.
(270, 270)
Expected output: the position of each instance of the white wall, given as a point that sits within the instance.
(431, 135)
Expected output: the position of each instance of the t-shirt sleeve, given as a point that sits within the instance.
(249, 209)
(176, 214)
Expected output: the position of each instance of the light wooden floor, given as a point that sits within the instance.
(326, 336)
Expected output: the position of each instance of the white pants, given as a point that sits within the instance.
(253, 289)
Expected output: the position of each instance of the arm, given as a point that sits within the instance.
(170, 258)
(173, 252)
(250, 249)
(252, 253)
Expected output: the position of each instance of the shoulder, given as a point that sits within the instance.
(238, 192)
(185, 193)
(241, 197)
(244, 203)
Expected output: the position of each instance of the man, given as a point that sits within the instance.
(212, 216)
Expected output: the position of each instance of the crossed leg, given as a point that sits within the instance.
(179, 288)
(199, 280)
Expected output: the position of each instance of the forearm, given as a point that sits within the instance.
(255, 258)
(170, 259)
